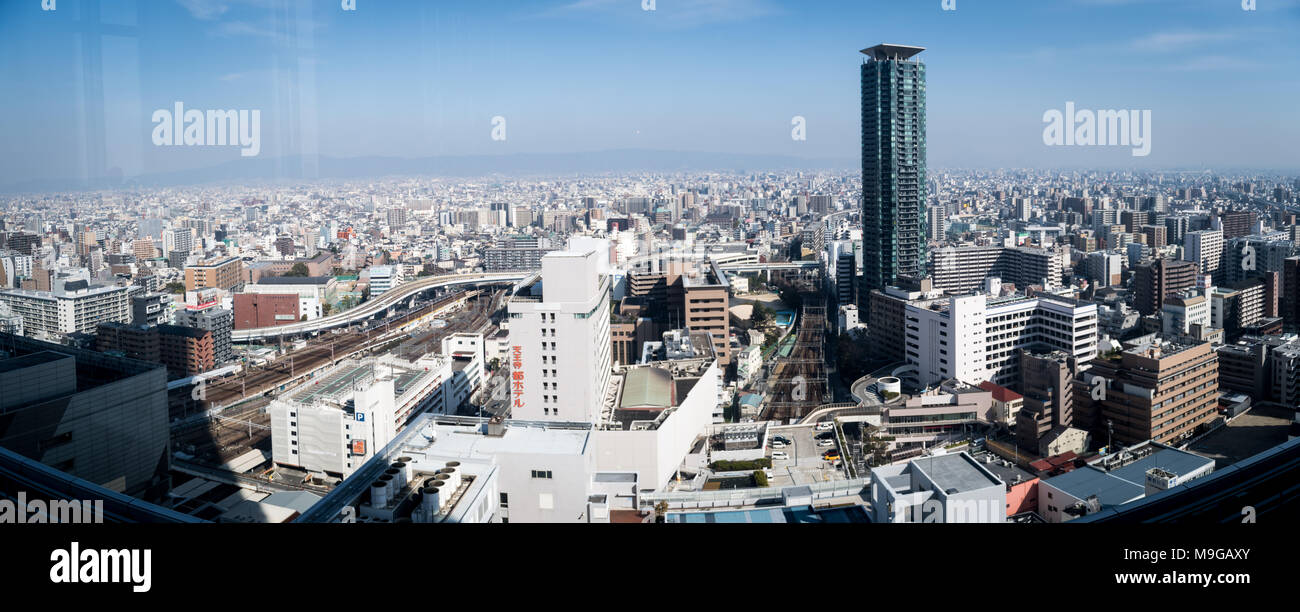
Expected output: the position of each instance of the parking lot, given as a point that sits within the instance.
(805, 464)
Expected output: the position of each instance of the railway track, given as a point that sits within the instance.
(325, 350)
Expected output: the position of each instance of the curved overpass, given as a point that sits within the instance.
(378, 305)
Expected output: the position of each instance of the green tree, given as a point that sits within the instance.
(760, 478)
(175, 287)
(298, 269)
(852, 357)
(763, 318)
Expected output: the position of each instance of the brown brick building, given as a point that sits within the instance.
(253, 310)
(1160, 392)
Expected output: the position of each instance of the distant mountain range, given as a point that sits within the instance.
(258, 169)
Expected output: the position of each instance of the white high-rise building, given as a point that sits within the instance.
(1206, 249)
(559, 352)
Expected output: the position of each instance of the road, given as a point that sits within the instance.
(389, 299)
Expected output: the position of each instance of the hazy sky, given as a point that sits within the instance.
(412, 78)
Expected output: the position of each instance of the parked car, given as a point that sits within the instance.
(825, 442)
(825, 426)
(781, 439)
(778, 444)
(780, 456)
(831, 455)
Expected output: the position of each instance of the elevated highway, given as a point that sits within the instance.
(378, 305)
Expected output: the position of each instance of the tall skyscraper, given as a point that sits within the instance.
(894, 209)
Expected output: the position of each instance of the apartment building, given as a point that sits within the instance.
(226, 274)
(1205, 248)
(74, 305)
(1154, 280)
(1047, 384)
(963, 269)
(207, 316)
(1237, 309)
(185, 351)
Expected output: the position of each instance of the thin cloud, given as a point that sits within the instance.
(1215, 62)
(1177, 41)
(670, 13)
(207, 10)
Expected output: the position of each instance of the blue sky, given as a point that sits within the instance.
(412, 78)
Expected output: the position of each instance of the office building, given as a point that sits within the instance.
(894, 181)
(1116, 479)
(93, 416)
(1105, 269)
(1186, 313)
(1154, 390)
(943, 489)
(383, 279)
(705, 296)
(887, 334)
(254, 310)
(653, 413)
(1290, 300)
(976, 338)
(1237, 223)
(1156, 235)
(151, 309)
(352, 411)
